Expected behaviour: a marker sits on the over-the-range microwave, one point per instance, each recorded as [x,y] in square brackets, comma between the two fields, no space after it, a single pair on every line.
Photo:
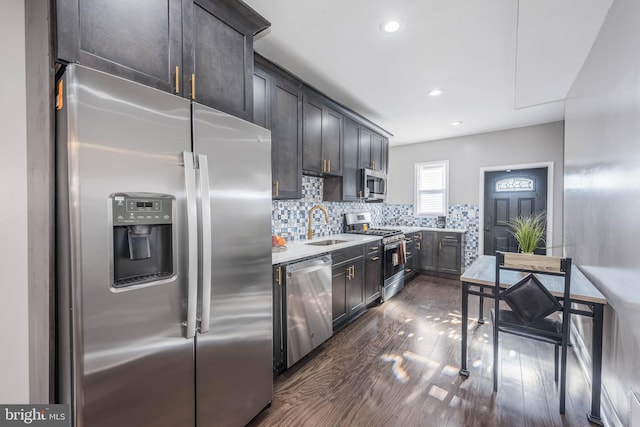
[374,185]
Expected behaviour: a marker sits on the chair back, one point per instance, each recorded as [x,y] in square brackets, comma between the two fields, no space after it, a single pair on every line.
[528,298]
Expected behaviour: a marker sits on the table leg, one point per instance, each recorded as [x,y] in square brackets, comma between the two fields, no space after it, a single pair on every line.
[596,368]
[465,326]
[481,307]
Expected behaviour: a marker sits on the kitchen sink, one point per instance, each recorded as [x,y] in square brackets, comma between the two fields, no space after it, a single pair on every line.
[326,242]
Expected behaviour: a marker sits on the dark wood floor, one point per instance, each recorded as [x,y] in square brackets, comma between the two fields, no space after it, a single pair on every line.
[397,365]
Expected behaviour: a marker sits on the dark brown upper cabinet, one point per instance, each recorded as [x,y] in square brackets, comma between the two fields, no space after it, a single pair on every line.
[218,54]
[137,40]
[362,148]
[371,150]
[351,176]
[377,149]
[385,155]
[366,138]
[201,49]
[322,136]
[346,187]
[278,107]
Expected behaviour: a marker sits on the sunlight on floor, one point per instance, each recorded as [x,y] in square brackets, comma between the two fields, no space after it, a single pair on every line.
[451,371]
[438,393]
[430,363]
[397,370]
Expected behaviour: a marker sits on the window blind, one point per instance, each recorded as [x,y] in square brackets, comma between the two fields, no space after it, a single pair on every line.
[431,188]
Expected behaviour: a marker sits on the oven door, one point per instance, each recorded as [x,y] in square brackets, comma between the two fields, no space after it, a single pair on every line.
[392,260]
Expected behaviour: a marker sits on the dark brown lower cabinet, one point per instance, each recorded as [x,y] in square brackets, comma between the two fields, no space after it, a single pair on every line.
[279,319]
[409,271]
[373,273]
[442,253]
[347,285]
[417,251]
[414,255]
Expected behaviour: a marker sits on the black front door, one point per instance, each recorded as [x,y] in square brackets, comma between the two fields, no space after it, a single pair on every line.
[508,194]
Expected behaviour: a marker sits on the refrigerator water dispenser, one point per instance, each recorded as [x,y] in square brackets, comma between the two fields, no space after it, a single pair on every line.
[142,238]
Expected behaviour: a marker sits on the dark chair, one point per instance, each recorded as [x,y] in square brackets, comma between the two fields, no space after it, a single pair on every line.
[531,304]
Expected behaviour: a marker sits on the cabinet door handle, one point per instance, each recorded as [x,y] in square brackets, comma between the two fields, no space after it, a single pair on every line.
[329,161]
[375,258]
[279,279]
[360,194]
[324,166]
[374,165]
[439,246]
[60,97]
[277,189]
[407,270]
[177,79]
[192,80]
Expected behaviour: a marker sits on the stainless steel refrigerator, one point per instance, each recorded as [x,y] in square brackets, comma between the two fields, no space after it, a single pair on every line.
[163,216]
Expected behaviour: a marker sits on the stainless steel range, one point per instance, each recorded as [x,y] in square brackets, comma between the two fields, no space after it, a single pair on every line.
[394,251]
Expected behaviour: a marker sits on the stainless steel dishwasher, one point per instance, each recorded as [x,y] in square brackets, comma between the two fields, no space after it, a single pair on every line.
[309,309]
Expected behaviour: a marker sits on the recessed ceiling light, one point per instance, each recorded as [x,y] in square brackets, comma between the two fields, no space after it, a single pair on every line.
[435,92]
[390,25]
[458,123]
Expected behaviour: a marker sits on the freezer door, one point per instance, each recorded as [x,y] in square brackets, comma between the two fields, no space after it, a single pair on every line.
[124,357]
[234,360]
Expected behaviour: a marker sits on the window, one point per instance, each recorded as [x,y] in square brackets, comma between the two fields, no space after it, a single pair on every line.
[431,188]
[515,184]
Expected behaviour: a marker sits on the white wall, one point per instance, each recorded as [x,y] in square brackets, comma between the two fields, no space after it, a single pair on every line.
[466,155]
[602,192]
[14,321]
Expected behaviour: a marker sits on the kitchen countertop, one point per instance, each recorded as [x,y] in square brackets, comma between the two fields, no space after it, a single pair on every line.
[301,249]
[407,229]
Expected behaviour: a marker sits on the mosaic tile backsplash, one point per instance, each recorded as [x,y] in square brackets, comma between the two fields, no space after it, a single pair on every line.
[289,217]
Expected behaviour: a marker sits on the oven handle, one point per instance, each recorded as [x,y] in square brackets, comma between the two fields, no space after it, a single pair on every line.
[393,245]
[389,246]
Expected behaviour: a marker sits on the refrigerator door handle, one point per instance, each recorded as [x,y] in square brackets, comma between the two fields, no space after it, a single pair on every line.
[192,244]
[205,202]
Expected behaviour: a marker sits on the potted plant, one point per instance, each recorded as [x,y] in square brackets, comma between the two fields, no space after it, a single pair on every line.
[529,231]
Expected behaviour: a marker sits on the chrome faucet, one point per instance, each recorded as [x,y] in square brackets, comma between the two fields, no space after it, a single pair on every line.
[326,218]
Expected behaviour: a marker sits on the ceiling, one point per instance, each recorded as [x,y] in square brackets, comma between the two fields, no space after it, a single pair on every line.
[501,63]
